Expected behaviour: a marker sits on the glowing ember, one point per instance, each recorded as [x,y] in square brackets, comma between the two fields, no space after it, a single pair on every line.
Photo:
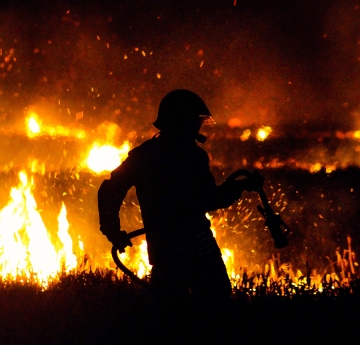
[104,158]
[245,135]
[263,133]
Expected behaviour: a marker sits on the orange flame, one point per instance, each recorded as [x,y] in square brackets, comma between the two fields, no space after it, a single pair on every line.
[35,127]
[136,258]
[25,245]
[105,158]
[263,133]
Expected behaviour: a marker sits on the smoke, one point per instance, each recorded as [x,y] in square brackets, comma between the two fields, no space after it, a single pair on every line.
[285,63]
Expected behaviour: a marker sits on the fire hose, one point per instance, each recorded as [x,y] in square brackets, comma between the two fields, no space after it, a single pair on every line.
[119,264]
[277,227]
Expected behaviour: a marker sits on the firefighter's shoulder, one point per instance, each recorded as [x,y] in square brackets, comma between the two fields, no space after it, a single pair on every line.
[143,149]
[201,154]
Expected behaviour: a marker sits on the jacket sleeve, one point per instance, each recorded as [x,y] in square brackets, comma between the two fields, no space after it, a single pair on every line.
[225,195]
[111,195]
[221,196]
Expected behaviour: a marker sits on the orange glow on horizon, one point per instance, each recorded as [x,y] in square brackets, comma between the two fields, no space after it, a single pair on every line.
[34,127]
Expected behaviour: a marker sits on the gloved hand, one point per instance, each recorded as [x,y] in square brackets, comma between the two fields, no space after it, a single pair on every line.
[253,183]
[119,240]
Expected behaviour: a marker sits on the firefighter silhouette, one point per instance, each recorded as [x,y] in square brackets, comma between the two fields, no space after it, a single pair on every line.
[175,190]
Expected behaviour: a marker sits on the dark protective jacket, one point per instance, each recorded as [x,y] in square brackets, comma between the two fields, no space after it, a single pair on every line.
[175,190]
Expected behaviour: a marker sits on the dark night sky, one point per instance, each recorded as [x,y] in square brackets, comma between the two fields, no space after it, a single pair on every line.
[278,62]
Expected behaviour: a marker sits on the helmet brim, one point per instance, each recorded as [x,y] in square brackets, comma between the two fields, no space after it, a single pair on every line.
[207,120]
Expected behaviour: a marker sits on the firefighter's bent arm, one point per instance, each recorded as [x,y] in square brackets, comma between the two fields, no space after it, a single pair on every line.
[218,197]
[224,196]
[231,190]
[111,195]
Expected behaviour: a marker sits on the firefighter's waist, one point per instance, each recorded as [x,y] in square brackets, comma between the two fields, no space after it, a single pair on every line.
[190,226]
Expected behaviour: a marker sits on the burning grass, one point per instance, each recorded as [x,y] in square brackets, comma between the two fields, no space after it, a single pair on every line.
[301,297]
[271,304]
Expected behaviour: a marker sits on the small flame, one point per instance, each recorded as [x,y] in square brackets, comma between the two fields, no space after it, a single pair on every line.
[330,168]
[144,267]
[263,133]
[315,167]
[104,158]
[136,258]
[66,253]
[33,125]
[245,135]
[81,244]
[228,258]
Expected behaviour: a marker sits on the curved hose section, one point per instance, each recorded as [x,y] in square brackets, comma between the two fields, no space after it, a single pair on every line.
[122,267]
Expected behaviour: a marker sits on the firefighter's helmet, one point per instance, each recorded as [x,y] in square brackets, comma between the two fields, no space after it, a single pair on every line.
[181,108]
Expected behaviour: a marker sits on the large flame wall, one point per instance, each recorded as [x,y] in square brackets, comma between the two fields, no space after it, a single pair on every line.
[48,205]
[281,79]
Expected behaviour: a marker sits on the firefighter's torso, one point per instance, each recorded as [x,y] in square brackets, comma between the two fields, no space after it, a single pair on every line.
[172,181]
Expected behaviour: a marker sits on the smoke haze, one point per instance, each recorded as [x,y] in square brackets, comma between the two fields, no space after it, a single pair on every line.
[284,63]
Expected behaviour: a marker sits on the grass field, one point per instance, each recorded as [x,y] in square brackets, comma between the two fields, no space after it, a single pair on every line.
[100,308]
[322,211]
